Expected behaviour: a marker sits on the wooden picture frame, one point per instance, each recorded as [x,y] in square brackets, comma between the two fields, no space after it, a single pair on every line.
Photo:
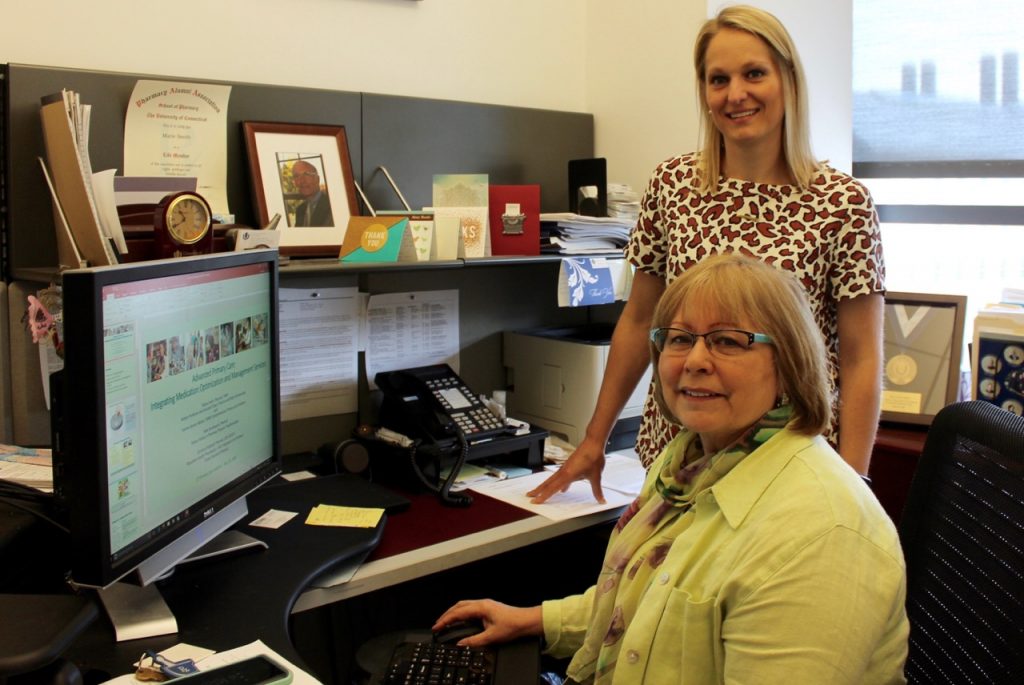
[304,173]
[923,348]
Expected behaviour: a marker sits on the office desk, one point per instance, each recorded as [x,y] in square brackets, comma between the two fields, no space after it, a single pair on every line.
[231,601]
[226,603]
[431,556]
[430,538]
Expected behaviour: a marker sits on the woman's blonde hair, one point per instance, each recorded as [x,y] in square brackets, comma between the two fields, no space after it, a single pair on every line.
[796,144]
[736,287]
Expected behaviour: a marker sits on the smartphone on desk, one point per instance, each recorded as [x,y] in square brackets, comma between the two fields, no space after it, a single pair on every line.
[256,670]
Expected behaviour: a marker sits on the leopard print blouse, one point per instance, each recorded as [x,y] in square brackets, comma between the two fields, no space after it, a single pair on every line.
[827,235]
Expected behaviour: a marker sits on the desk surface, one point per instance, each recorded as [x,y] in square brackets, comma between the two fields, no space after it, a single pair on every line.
[209,618]
[430,537]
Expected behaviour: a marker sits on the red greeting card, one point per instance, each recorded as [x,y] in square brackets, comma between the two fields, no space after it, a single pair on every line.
[514,219]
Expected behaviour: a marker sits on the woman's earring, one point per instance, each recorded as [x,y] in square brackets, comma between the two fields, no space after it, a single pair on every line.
[782,400]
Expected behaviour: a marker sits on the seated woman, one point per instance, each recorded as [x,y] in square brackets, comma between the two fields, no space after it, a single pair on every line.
[754,552]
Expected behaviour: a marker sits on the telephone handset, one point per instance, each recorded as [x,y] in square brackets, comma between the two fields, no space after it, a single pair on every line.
[435,409]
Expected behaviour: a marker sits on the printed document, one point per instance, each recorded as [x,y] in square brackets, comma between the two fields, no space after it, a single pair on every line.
[406,330]
[319,351]
[621,482]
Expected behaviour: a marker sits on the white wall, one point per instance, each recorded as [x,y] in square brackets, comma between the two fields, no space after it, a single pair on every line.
[640,83]
[512,52]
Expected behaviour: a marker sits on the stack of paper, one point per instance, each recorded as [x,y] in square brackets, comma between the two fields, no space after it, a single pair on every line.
[1013,295]
[623,203]
[566,233]
[32,467]
[82,235]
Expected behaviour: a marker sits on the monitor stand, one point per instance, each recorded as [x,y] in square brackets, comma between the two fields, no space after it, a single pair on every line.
[137,611]
[140,611]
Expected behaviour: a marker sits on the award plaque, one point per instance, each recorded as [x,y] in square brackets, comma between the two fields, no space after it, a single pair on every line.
[923,344]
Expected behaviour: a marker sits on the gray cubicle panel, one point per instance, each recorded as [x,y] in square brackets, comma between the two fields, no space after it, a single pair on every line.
[493,297]
[6,416]
[31,238]
[415,138]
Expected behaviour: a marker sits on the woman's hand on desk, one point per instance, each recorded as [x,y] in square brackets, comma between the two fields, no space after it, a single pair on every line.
[501,621]
[586,463]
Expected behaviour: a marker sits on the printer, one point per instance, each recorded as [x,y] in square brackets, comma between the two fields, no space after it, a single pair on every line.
[554,375]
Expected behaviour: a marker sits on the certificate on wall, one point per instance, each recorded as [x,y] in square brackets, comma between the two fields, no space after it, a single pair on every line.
[174,128]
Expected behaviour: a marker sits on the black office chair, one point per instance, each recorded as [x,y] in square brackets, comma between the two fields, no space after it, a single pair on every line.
[962,533]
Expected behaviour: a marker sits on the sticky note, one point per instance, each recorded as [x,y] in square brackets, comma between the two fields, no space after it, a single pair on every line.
[348,517]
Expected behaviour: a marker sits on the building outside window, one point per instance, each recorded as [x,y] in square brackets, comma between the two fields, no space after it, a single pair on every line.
[938,138]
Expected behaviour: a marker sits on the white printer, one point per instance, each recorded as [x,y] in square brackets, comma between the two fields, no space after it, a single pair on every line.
[554,377]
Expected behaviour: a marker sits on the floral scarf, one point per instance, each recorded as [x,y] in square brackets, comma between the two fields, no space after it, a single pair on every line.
[634,551]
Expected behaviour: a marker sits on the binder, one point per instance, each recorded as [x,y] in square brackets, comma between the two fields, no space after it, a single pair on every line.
[69,181]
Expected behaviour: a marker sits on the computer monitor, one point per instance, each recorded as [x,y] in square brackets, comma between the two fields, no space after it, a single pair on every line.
[167,412]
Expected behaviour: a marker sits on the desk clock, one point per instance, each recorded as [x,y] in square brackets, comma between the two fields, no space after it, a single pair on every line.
[183,225]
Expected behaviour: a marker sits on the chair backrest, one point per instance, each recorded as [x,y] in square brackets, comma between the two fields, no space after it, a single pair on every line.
[962,533]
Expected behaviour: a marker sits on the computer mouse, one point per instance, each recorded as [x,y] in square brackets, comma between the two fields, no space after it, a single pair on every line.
[458,630]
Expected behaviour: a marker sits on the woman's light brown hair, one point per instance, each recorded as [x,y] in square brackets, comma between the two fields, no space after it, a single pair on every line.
[737,287]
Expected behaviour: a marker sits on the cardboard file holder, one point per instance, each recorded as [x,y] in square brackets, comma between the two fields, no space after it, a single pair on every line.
[419,226]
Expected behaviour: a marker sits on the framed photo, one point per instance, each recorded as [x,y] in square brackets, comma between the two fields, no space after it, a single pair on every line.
[304,173]
[923,345]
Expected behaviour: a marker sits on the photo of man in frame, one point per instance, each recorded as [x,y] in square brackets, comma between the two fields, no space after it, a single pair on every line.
[305,195]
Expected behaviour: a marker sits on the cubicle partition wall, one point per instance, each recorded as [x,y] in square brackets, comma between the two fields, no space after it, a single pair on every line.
[416,138]
[31,239]
[413,137]
[6,416]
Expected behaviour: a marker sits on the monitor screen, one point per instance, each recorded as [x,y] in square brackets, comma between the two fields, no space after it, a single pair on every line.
[167,412]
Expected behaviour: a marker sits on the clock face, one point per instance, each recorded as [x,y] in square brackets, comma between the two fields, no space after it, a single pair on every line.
[188,219]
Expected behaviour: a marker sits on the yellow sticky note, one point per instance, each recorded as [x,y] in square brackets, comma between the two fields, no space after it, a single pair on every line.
[349,517]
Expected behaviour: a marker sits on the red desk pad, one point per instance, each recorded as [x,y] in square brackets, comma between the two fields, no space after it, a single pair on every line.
[427,522]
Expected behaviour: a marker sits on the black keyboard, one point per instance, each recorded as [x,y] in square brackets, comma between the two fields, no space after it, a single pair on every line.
[431,663]
[436,663]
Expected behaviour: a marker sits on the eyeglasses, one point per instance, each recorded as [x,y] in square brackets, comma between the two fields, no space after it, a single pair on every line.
[307,174]
[726,342]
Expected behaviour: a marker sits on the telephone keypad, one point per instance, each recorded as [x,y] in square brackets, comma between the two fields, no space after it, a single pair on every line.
[454,396]
[478,419]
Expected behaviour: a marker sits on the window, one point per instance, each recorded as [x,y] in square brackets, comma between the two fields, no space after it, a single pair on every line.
[938,138]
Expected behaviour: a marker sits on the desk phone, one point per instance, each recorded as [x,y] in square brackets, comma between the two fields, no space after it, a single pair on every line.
[433,402]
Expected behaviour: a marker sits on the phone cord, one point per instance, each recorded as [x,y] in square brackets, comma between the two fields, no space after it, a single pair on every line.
[456,499]
[443,490]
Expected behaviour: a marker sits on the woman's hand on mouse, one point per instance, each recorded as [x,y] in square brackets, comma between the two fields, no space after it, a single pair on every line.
[502,622]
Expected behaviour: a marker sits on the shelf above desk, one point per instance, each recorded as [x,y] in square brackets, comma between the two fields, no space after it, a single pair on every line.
[330,265]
